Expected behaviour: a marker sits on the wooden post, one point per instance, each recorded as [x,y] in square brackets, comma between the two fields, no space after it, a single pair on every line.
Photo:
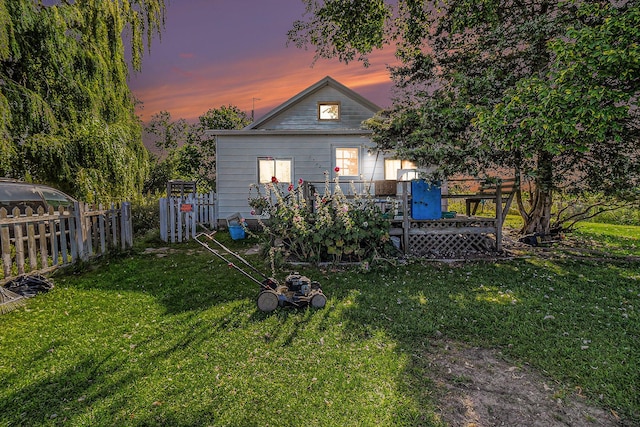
[113,214]
[172,219]
[63,234]
[42,238]
[129,223]
[499,217]
[164,220]
[126,233]
[6,247]
[80,231]
[31,241]
[213,217]
[19,243]
[53,235]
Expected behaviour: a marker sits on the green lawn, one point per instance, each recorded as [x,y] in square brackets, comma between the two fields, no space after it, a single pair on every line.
[176,339]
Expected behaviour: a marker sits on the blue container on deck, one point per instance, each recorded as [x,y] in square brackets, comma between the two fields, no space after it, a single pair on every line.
[426,200]
[237,232]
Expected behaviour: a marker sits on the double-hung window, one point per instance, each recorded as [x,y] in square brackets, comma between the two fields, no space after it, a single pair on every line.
[270,167]
[347,161]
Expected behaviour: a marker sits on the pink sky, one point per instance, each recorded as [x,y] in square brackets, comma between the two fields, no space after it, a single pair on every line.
[221,52]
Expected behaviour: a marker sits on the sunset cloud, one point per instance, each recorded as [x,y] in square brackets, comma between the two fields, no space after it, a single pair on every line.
[241,59]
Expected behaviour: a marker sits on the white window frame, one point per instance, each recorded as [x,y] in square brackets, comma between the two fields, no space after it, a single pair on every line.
[278,174]
[340,164]
[321,115]
[403,165]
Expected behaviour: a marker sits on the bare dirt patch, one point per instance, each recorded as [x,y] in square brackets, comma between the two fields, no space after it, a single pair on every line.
[480,389]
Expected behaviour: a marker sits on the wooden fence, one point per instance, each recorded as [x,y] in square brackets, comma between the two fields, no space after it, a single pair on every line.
[179,216]
[40,241]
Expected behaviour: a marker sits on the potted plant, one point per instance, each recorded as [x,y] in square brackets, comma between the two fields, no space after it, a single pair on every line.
[257,200]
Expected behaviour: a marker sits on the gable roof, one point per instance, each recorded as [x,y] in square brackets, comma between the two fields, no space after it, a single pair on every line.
[325,82]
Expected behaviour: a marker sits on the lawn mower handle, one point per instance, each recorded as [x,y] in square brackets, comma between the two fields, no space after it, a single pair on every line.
[230,263]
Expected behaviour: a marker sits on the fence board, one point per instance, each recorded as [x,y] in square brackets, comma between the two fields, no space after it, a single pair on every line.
[63,239]
[31,241]
[42,238]
[164,218]
[102,227]
[178,224]
[38,242]
[6,246]
[19,243]
[53,231]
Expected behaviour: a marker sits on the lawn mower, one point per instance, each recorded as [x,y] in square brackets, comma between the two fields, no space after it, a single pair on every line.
[298,290]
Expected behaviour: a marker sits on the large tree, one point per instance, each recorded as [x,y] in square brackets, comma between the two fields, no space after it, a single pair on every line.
[187,152]
[547,89]
[66,112]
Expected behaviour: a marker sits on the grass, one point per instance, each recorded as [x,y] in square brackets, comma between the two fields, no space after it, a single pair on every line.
[176,339]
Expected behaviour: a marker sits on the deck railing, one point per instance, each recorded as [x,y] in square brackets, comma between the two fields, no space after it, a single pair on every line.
[458,235]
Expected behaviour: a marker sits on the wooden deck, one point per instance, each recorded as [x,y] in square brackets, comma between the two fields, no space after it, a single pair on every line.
[446,237]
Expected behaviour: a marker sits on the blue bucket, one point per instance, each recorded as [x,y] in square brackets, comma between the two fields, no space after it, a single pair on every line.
[237,232]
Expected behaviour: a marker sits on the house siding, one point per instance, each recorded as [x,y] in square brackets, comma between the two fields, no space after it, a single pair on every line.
[293,131]
[303,115]
[312,155]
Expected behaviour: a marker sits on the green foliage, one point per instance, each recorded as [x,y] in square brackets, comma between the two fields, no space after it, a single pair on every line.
[173,337]
[189,153]
[580,110]
[224,117]
[354,28]
[66,112]
[326,227]
[145,214]
[543,90]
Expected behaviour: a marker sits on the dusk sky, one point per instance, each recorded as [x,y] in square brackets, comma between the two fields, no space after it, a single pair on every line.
[221,52]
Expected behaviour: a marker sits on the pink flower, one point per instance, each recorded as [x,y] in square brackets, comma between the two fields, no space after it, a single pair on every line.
[290,187]
[253,212]
[300,181]
[274,179]
[337,169]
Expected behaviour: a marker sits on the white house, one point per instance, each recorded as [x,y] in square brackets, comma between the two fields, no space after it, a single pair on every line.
[314,132]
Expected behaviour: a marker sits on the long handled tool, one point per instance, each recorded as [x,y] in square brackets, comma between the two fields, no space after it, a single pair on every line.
[298,290]
[10,300]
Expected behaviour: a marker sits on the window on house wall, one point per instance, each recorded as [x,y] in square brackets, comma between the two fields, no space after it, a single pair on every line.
[392,166]
[328,111]
[269,167]
[347,161]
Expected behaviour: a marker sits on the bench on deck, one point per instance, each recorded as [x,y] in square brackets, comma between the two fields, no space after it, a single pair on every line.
[492,190]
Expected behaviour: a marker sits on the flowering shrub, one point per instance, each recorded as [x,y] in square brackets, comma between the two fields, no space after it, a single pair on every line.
[325,227]
[258,201]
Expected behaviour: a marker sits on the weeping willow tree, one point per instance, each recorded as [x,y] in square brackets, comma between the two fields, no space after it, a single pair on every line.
[66,113]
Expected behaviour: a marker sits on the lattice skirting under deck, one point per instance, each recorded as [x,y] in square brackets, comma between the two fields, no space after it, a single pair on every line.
[450,244]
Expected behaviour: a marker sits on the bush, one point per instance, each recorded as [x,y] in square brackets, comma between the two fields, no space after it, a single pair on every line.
[325,227]
[145,214]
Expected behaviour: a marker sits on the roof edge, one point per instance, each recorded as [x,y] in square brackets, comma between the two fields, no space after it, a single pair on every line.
[327,81]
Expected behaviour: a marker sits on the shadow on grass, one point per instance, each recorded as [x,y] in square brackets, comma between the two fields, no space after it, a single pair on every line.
[342,352]
[572,320]
[181,278]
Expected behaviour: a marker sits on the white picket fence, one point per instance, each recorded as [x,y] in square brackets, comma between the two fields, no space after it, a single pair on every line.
[40,241]
[180,216]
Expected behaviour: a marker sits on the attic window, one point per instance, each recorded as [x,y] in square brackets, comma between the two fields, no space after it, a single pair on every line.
[328,111]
